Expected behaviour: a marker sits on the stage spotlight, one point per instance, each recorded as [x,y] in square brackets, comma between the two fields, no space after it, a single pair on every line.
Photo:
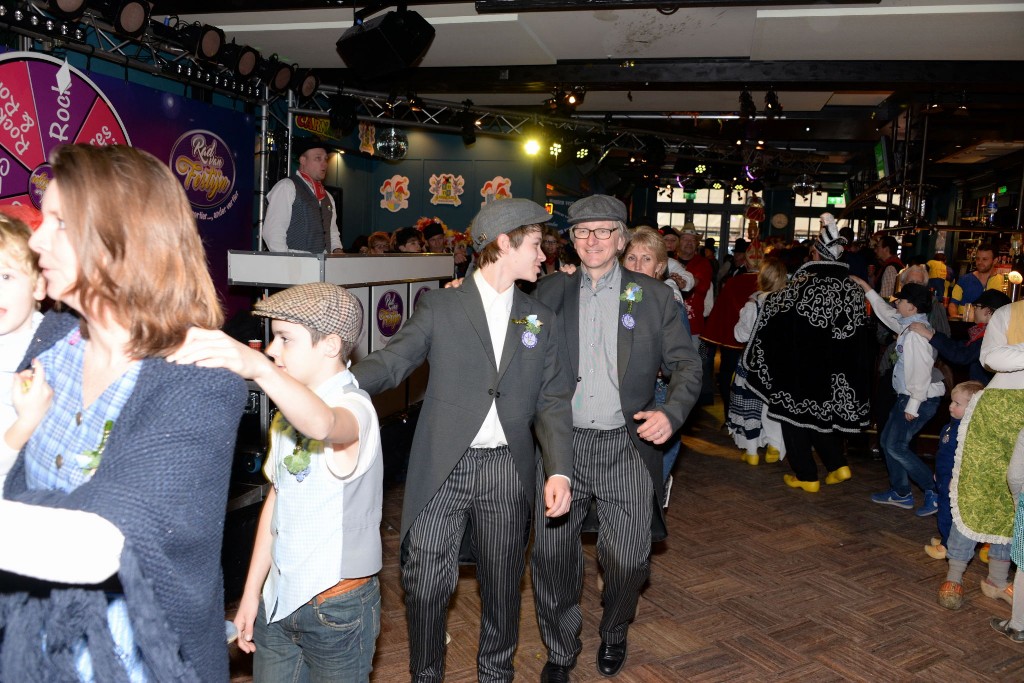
[304,83]
[202,40]
[276,74]
[772,108]
[414,102]
[531,146]
[748,109]
[128,17]
[700,168]
[241,59]
[467,121]
[69,10]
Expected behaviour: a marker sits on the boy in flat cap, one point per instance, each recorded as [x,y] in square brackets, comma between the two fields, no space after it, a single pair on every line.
[301,215]
[621,328]
[318,544]
[495,373]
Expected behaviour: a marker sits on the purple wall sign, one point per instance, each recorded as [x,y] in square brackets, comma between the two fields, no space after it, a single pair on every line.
[389,313]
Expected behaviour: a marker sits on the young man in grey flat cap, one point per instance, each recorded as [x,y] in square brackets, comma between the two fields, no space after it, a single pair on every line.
[620,329]
[495,372]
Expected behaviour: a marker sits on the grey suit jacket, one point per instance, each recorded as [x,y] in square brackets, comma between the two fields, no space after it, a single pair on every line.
[657,341]
[532,388]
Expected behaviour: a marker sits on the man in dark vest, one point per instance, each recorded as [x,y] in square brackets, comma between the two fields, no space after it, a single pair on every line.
[301,215]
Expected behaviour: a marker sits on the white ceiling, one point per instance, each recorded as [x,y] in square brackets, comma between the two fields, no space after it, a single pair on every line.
[890,30]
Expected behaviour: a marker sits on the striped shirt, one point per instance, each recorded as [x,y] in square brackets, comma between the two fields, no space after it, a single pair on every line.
[596,403]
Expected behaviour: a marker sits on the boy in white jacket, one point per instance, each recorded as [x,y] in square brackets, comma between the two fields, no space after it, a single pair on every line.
[919,389]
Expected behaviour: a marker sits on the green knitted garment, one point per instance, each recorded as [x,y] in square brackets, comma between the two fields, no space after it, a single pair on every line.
[982,505]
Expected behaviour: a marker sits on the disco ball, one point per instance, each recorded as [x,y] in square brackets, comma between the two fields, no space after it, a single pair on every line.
[804,185]
[392,144]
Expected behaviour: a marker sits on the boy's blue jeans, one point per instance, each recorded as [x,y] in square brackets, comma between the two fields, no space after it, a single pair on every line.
[903,464]
[326,643]
[959,547]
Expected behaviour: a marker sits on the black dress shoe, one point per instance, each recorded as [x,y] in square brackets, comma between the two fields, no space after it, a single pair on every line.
[610,658]
[555,673]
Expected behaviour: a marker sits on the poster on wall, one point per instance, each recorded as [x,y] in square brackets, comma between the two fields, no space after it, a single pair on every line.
[395,193]
[367,138]
[446,188]
[387,313]
[48,102]
[362,347]
[417,290]
[44,103]
[496,188]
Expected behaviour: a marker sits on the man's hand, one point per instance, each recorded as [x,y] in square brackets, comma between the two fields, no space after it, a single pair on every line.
[923,330]
[454,284]
[656,427]
[214,349]
[557,496]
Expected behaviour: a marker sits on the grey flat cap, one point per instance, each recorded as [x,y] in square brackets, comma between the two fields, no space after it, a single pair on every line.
[502,216]
[597,207]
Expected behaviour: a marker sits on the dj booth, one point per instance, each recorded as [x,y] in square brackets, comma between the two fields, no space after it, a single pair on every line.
[387,287]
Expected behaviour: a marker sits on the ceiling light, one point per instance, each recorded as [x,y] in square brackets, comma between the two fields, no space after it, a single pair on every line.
[305,83]
[468,122]
[748,109]
[241,59]
[276,74]
[128,17]
[804,185]
[202,40]
[70,10]
[772,107]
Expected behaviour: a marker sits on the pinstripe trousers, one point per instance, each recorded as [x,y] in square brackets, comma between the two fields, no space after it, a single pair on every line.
[484,489]
[608,469]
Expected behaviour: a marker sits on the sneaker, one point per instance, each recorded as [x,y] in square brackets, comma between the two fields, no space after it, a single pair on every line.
[1003,626]
[951,595]
[992,591]
[890,497]
[668,491]
[936,551]
[930,505]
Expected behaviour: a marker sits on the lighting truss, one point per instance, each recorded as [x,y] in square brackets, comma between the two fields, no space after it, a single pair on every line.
[91,36]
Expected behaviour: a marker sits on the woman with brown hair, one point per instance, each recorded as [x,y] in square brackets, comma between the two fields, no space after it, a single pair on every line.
[115,507]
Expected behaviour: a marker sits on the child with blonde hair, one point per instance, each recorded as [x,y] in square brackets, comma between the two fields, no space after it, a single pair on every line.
[22,403]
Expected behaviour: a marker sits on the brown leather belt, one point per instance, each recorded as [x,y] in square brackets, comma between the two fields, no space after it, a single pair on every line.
[343,586]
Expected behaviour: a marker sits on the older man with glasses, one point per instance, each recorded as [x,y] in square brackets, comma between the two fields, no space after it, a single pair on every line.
[620,329]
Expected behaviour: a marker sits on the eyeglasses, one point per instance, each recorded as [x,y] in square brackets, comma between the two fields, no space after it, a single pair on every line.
[599,233]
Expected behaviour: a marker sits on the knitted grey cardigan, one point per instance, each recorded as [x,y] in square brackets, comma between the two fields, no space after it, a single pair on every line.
[163,482]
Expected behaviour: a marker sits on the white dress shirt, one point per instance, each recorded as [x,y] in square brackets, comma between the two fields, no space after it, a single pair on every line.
[279,216]
[498,309]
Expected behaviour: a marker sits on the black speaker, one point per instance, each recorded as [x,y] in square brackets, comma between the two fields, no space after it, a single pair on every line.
[385,44]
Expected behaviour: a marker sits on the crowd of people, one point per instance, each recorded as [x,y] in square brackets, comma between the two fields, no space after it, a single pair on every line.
[545,416]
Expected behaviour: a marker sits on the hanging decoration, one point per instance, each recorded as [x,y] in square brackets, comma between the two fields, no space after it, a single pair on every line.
[395,193]
[446,188]
[367,137]
[495,189]
[392,144]
[755,209]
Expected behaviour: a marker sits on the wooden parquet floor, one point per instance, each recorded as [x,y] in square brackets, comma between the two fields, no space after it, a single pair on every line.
[757,582]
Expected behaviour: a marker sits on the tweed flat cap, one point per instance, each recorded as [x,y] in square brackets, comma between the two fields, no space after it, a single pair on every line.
[503,216]
[597,207]
[321,306]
